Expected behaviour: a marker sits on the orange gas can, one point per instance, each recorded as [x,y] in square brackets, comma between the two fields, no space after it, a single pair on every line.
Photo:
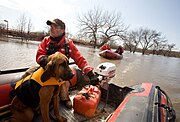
[86,101]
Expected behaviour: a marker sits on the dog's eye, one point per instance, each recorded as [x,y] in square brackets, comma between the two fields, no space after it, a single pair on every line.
[63,64]
[67,63]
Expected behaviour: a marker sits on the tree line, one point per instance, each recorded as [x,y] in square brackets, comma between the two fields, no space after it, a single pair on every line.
[102,27]
[23,30]
[98,27]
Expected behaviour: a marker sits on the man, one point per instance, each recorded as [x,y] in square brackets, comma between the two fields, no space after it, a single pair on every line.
[119,50]
[57,41]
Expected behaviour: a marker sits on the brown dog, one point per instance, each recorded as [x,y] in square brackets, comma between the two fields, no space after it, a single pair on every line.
[37,90]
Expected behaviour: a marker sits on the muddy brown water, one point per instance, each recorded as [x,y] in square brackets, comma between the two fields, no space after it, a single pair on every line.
[131,70]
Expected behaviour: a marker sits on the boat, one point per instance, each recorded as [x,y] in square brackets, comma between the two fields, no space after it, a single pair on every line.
[108,54]
[144,102]
[105,47]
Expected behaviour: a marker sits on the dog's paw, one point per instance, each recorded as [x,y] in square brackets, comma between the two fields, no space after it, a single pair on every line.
[61,119]
[67,104]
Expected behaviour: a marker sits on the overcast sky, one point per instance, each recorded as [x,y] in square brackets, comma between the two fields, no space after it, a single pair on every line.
[160,15]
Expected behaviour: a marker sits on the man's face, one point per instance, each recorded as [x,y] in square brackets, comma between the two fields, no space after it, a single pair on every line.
[55,30]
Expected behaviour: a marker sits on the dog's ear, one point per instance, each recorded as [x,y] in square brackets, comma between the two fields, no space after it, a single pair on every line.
[48,72]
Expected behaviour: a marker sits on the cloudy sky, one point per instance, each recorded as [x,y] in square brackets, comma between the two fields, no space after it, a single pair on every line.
[160,15]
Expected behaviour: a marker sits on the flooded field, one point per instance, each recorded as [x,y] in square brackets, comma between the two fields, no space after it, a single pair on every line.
[131,70]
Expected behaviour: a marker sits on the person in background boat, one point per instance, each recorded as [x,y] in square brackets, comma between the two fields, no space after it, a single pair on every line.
[119,50]
[105,47]
[57,41]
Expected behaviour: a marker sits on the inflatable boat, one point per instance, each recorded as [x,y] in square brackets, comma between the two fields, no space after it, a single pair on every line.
[144,102]
[108,54]
[105,47]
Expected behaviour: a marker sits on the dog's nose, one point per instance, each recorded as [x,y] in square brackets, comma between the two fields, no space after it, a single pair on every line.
[71,75]
[68,75]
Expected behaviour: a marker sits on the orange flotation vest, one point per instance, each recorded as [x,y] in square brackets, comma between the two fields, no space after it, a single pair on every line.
[28,88]
[36,76]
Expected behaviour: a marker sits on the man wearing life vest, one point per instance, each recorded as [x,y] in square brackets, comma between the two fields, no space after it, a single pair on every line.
[119,50]
[57,41]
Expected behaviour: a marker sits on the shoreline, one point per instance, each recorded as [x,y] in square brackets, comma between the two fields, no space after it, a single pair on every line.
[16,40]
[174,54]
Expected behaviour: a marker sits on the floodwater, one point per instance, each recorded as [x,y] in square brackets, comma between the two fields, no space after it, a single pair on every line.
[131,70]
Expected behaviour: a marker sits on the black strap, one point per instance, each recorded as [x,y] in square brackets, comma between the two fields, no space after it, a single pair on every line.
[66,47]
[12,71]
[53,47]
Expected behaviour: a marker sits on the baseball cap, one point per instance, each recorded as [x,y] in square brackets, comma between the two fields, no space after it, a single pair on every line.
[57,22]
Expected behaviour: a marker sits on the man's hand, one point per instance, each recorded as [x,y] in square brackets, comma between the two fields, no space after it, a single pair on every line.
[93,78]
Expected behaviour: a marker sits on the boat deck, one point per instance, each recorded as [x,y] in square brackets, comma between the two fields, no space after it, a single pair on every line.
[71,116]
[101,113]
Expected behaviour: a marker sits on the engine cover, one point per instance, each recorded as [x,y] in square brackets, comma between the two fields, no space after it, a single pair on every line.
[106,69]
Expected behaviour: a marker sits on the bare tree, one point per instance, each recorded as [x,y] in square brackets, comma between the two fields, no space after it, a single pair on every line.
[162,47]
[22,26]
[113,27]
[101,25]
[136,37]
[131,39]
[29,27]
[169,49]
[2,29]
[158,45]
[128,44]
[89,24]
[148,37]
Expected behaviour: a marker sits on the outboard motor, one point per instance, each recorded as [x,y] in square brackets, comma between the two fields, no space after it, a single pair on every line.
[106,72]
[110,93]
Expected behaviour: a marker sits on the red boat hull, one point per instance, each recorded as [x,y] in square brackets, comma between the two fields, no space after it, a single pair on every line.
[148,103]
[5,89]
[110,55]
[105,47]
